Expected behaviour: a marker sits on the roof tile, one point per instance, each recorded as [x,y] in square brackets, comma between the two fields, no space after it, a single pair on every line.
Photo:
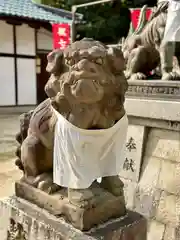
[27,9]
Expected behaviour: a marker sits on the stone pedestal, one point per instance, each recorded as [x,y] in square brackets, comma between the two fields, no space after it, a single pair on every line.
[20,219]
[105,205]
[154,106]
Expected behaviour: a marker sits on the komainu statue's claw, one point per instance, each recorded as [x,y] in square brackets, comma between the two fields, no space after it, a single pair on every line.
[137,76]
[81,197]
[171,76]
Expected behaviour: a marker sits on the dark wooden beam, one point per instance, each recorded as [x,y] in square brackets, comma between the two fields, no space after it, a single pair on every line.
[36,24]
[17,55]
[13,22]
[15,65]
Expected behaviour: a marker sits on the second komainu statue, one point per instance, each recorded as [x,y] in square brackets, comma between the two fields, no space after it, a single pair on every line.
[147,54]
[76,136]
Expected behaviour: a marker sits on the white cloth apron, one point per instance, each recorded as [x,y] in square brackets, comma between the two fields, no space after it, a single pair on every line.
[173,21]
[82,156]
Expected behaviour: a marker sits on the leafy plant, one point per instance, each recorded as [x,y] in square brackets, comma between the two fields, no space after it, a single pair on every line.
[107,22]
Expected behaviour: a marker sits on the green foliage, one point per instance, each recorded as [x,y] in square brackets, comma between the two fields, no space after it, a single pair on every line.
[107,22]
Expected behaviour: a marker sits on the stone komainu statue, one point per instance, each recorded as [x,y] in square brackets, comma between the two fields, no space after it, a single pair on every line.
[144,50]
[87,87]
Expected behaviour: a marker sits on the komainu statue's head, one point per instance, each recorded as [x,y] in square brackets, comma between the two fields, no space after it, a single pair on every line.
[91,70]
[91,75]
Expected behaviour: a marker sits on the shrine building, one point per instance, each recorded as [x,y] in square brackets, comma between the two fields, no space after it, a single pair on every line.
[25,41]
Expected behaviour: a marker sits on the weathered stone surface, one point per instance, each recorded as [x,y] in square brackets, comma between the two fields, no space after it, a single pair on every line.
[36,223]
[164,144]
[155,123]
[106,206]
[129,192]
[153,109]
[155,231]
[146,203]
[159,176]
[144,195]
[168,211]
[156,195]
[169,177]
[149,173]
[171,233]
[154,89]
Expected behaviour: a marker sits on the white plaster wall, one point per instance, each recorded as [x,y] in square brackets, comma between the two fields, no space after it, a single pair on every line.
[25,38]
[6,38]
[26,69]
[44,39]
[7,80]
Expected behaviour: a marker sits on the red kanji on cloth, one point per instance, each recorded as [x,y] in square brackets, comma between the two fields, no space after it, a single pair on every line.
[135,16]
[61,35]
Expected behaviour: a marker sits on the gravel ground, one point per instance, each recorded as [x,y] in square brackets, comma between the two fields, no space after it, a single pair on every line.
[9,126]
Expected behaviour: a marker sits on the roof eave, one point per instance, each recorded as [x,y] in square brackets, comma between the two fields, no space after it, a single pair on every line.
[33,19]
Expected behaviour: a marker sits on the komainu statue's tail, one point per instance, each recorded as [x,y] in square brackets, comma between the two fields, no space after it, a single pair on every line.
[21,135]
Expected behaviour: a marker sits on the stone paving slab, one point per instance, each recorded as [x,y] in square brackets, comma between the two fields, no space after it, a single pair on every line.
[8,175]
[9,125]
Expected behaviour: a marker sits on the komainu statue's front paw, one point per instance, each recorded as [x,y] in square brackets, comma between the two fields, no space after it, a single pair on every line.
[82,198]
[137,76]
[45,183]
[113,185]
[48,186]
[170,76]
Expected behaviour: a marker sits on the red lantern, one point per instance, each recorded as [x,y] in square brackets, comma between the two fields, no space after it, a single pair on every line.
[61,35]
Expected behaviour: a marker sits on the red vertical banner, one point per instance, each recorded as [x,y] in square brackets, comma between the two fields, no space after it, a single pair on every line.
[61,35]
[148,13]
[135,16]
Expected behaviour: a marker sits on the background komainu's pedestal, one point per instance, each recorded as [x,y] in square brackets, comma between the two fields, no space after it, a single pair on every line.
[20,219]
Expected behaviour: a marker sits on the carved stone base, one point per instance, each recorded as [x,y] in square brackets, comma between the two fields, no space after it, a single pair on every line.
[19,219]
[106,205]
[154,89]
